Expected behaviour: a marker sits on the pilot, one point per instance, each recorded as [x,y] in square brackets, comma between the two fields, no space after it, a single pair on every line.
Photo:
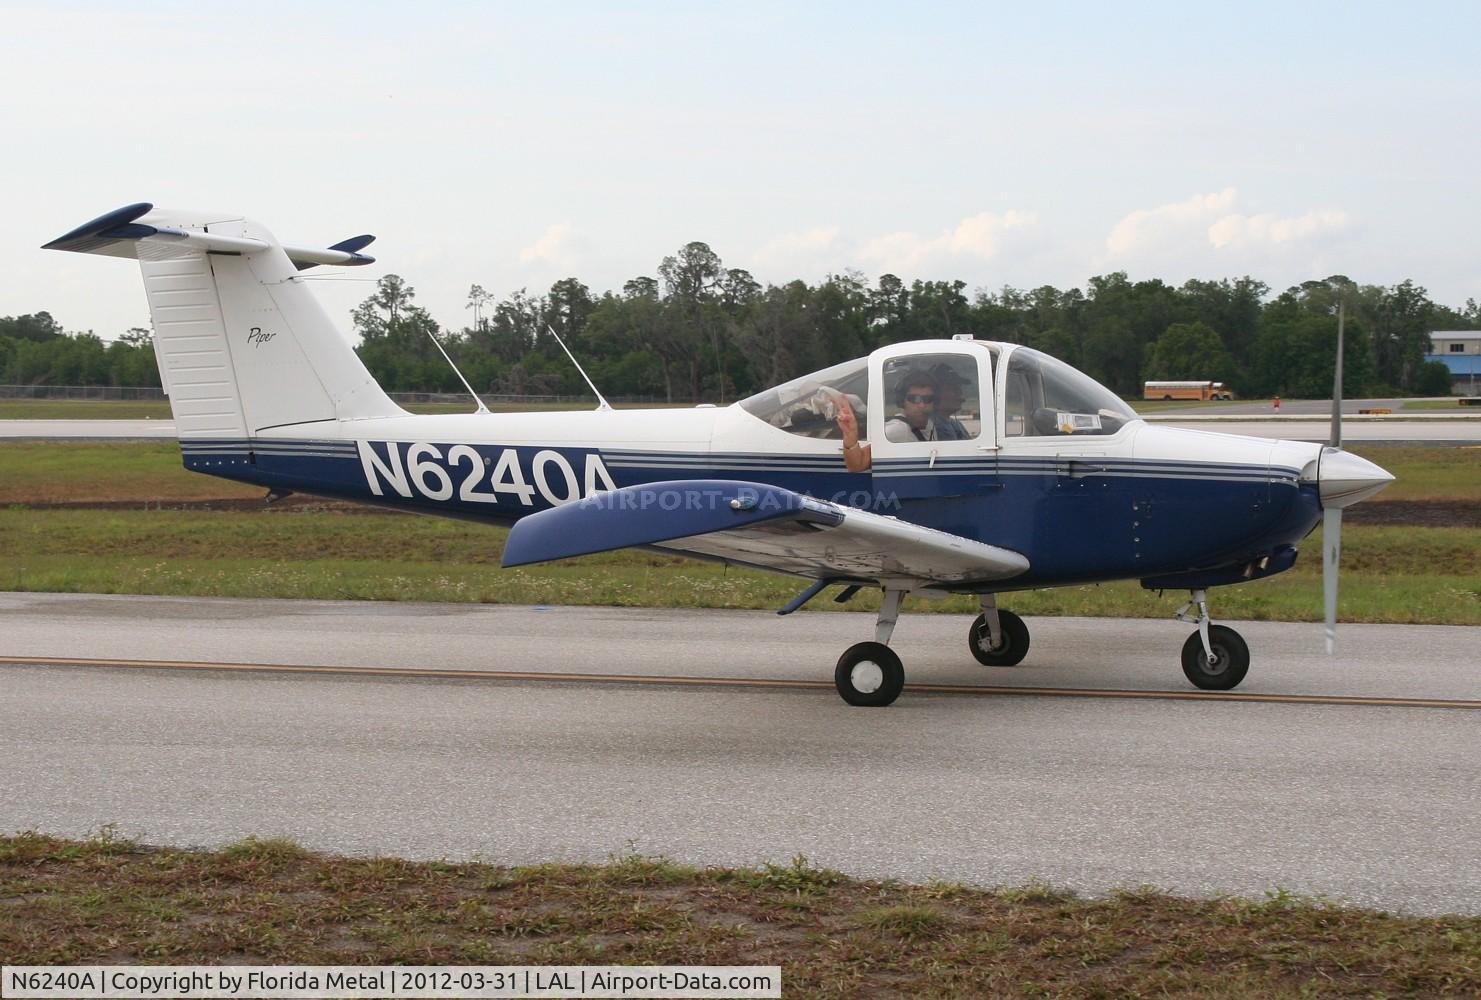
[915,394]
[950,394]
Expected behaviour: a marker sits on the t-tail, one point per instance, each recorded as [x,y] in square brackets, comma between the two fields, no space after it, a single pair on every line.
[243,346]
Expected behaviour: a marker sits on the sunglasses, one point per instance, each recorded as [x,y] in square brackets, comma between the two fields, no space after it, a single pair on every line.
[916,398]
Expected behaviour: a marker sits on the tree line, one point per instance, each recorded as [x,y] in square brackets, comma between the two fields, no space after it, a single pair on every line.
[701,331]
[35,350]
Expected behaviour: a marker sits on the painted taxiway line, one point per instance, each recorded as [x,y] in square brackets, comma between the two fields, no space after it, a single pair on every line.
[742,682]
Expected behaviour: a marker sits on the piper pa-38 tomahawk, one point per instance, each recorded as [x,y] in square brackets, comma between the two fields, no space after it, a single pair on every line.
[988,467]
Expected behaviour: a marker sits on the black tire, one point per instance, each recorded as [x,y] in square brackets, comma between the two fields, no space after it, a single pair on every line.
[1014,646]
[1232,659]
[865,687]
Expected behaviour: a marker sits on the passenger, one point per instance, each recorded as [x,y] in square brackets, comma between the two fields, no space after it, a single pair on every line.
[950,395]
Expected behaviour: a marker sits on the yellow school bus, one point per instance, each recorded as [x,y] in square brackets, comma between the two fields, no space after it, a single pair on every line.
[1186,390]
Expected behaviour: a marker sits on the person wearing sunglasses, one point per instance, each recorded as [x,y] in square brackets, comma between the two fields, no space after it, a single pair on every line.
[915,395]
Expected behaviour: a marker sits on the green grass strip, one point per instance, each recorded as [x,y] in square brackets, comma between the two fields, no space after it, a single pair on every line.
[1416,575]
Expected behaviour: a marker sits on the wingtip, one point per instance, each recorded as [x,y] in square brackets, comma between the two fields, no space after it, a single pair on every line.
[103,223]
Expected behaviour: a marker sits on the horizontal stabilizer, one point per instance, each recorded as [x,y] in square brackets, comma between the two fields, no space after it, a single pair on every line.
[351,246]
[121,233]
[763,527]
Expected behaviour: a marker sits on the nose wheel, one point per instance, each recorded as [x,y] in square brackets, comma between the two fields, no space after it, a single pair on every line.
[997,638]
[1215,658]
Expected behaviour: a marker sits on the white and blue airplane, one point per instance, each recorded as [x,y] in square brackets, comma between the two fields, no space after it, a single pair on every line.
[989,467]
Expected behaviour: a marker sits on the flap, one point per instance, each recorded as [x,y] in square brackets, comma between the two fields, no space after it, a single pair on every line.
[763,527]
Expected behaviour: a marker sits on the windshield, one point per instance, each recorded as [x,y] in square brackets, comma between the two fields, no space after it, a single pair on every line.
[809,405]
[1046,397]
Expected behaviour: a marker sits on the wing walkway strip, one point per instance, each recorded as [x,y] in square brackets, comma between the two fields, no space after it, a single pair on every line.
[765,683]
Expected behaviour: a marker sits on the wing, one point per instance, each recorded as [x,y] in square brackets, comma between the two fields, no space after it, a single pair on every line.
[762,527]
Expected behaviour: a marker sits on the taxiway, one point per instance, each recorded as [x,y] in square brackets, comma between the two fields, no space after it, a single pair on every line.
[1376,804]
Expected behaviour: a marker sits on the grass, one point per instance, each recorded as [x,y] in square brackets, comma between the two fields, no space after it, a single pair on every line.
[34,472]
[1391,574]
[1437,474]
[84,409]
[107,901]
[1439,404]
[64,471]
[1176,405]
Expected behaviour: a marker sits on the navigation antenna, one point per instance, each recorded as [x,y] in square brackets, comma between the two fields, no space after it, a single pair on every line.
[602,403]
[443,352]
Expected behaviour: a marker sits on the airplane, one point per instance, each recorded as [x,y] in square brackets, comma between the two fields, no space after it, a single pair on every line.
[979,467]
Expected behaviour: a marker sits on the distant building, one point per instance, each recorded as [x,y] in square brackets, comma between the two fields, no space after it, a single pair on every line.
[1460,351]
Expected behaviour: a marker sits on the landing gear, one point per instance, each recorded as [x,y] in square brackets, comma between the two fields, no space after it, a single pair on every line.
[997,638]
[1225,668]
[869,674]
[1215,658]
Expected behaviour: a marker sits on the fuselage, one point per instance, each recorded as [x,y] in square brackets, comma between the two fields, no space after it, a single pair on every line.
[1145,502]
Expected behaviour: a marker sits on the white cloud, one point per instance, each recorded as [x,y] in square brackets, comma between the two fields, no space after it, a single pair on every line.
[1211,220]
[1241,230]
[1215,234]
[956,252]
[555,246]
[1147,227]
[981,236]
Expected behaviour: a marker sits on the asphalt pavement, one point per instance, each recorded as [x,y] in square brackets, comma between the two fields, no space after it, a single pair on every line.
[1373,804]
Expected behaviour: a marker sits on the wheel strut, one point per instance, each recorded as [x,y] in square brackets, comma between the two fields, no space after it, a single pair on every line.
[991,617]
[889,613]
[1215,657]
[1200,598]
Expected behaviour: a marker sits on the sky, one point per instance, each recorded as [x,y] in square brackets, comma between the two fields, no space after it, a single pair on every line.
[512,145]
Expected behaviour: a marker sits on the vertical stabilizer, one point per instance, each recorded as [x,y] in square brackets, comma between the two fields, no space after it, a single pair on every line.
[242,344]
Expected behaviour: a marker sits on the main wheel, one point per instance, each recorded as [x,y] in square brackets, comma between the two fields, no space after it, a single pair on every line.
[1231,659]
[869,675]
[1011,648]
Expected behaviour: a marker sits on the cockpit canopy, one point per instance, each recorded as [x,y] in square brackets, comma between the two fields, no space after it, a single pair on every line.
[1040,396]
[809,405]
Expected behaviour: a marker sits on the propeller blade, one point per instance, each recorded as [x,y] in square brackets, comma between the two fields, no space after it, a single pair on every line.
[1336,441]
[1332,516]
[1331,557]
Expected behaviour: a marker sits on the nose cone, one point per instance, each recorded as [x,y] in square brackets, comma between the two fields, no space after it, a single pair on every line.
[1343,478]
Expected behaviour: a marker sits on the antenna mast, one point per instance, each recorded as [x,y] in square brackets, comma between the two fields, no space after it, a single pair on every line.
[443,352]
[602,403]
